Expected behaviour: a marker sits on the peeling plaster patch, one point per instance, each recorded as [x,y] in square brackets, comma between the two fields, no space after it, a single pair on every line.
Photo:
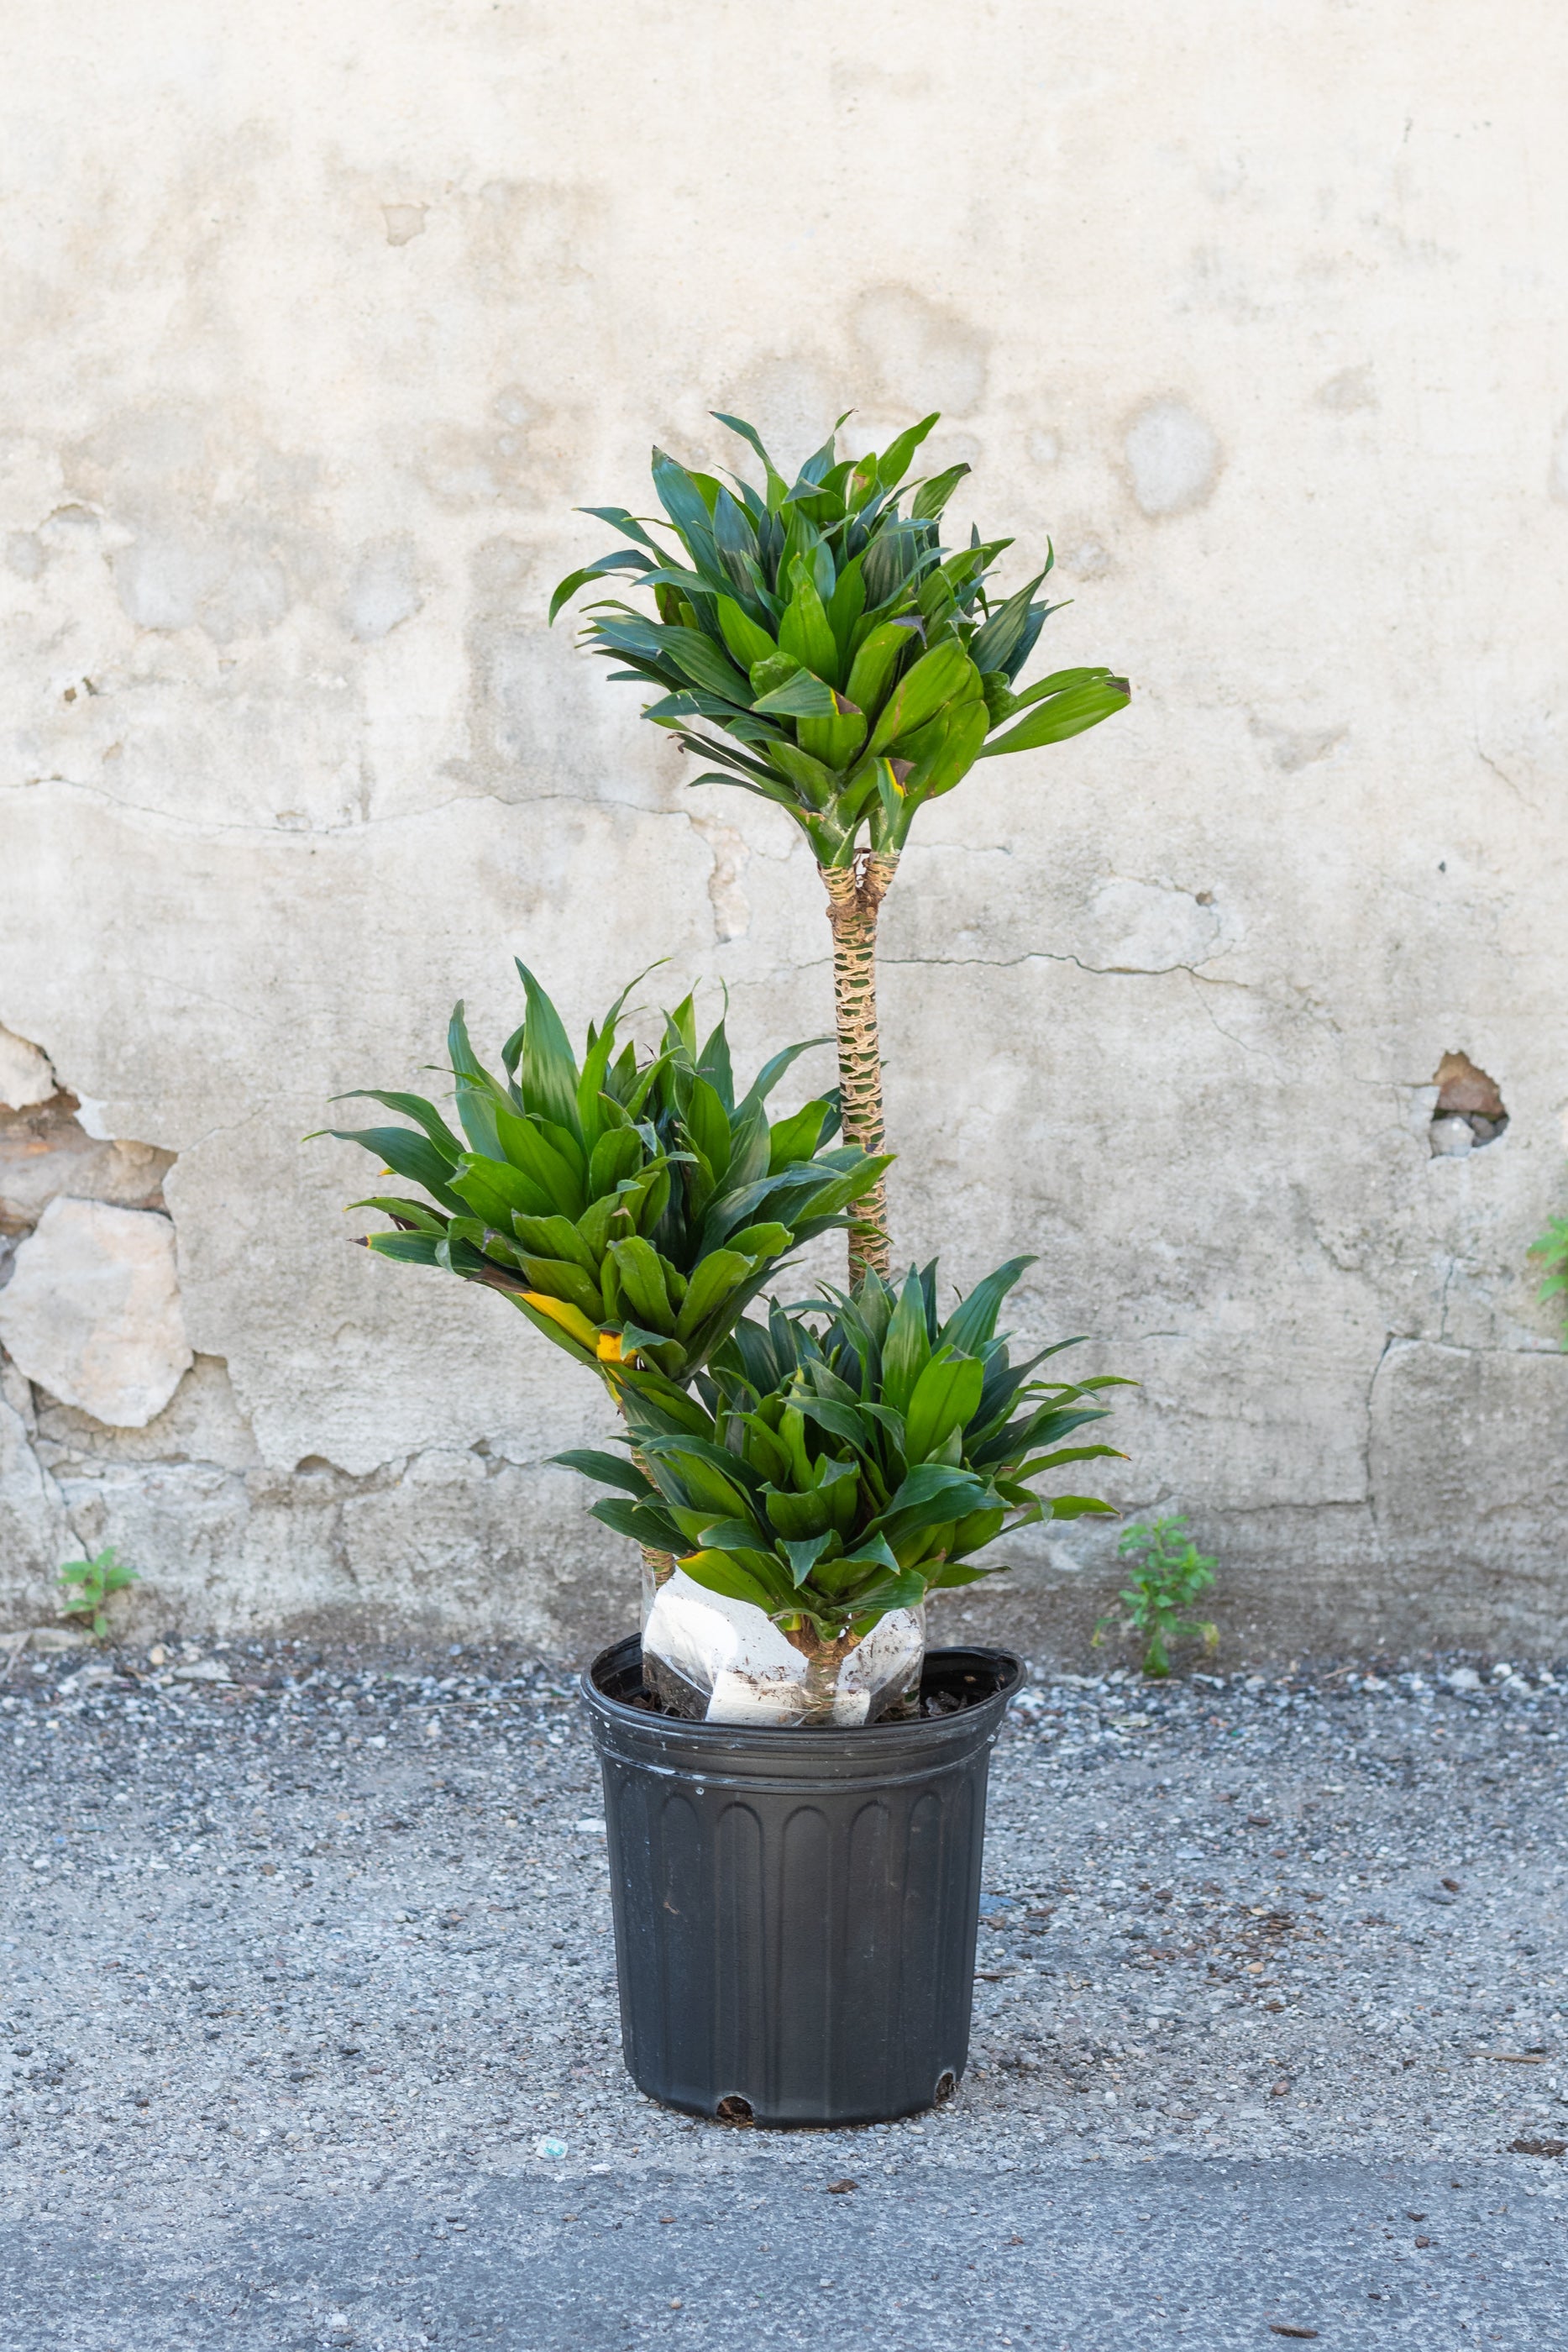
[1172,458]
[731,908]
[1468,1112]
[921,352]
[1352,388]
[1148,927]
[46,1154]
[26,1078]
[383,590]
[404,221]
[1294,748]
[92,1310]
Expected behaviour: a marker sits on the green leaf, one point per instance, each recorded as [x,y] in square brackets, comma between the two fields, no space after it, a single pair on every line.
[406,1249]
[618,1154]
[624,559]
[642,1277]
[745,640]
[558,1279]
[412,1106]
[870,672]
[684,502]
[610,1469]
[906,1351]
[708,1124]
[555,1237]
[770,1240]
[698,658]
[413,1214]
[949,759]
[797,1138]
[548,1066]
[845,607]
[933,495]
[407,1154]
[935,678]
[717,1571]
[1066,714]
[644,1522]
[805,630]
[893,463]
[711,1284]
[993,647]
[945,1399]
[798,1516]
[814,782]
[777,489]
[554,1186]
[801,696]
[974,1321]
[803,1555]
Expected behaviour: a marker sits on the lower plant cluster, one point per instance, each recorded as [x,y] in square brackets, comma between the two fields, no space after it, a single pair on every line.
[847,1458]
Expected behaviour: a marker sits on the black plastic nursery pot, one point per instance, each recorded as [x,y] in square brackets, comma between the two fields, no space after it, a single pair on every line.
[796,1909]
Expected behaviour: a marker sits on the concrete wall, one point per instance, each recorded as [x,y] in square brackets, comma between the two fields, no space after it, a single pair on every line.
[319,321]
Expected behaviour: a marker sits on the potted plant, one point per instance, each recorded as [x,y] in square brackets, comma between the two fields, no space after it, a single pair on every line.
[795,1790]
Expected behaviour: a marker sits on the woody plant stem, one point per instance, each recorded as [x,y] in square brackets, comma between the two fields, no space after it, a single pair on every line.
[855,894]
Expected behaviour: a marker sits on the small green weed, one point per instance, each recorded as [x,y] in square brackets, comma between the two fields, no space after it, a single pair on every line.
[1551,1249]
[1168,1574]
[91,1583]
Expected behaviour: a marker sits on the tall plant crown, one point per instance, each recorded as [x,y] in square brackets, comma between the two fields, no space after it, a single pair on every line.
[853,668]
[630,1207]
[858,667]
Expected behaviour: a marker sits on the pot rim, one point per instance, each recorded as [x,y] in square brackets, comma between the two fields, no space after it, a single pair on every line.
[835,1742]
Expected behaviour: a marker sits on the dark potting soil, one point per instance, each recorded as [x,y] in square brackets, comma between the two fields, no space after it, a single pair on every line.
[941,1699]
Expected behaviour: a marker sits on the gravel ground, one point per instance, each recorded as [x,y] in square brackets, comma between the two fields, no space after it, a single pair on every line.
[306,2002]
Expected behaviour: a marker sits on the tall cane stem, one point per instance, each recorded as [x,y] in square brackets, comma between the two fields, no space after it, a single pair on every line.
[855,894]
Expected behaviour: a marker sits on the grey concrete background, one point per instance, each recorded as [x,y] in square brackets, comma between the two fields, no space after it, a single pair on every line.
[322,320]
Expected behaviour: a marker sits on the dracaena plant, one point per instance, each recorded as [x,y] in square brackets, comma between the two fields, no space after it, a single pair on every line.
[821,647]
[630,1206]
[830,1471]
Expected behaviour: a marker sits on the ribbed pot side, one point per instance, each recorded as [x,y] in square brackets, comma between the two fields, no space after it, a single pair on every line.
[796,1909]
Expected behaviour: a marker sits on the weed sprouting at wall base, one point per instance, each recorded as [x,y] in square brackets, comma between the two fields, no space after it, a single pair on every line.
[93,1582]
[1168,1575]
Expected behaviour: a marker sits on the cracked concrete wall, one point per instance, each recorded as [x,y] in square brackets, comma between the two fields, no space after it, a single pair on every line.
[319,327]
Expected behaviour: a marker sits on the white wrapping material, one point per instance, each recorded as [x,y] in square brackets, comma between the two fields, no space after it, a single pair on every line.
[734,1653]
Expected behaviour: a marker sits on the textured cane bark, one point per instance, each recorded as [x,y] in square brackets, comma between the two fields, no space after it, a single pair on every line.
[854,895]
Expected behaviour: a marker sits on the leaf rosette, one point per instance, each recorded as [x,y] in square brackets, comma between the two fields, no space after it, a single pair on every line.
[630,1205]
[835,1467]
[818,643]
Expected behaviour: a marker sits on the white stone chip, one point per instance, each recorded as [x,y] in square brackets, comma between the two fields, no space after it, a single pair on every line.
[27,1076]
[92,1311]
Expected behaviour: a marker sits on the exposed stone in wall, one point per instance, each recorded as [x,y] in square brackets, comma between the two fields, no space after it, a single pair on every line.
[92,1310]
[1469,1111]
[25,1078]
[45,1151]
[34,1533]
